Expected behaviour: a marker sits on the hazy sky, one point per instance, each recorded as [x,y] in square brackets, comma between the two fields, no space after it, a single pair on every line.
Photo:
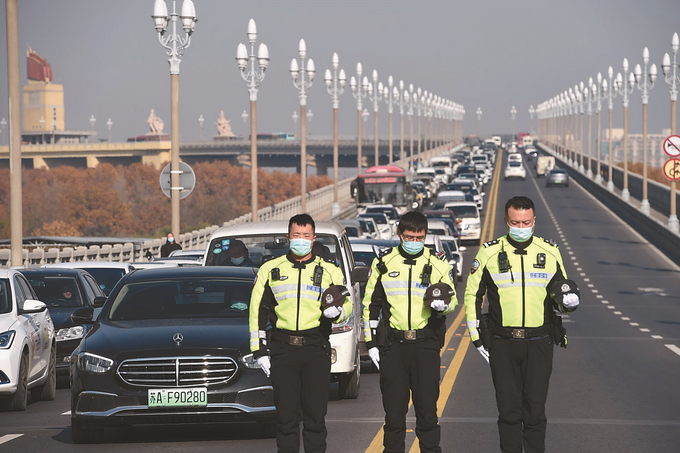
[485,53]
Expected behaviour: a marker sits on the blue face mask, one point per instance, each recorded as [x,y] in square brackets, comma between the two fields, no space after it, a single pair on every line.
[412,247]
[520,234]
[171,240]
[301,247]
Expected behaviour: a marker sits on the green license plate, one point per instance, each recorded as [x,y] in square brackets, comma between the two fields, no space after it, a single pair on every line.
[178,397]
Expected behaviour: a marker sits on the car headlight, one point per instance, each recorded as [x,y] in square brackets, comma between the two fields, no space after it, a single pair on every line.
[474,226]
[70,333]
[6,339]
[249,361]
[93,363]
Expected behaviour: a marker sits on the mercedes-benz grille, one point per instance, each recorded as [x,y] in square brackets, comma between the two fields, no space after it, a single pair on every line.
[177,371]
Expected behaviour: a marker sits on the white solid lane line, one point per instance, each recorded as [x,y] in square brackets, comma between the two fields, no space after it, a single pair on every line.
[673,348]
[67,413]
[8,437]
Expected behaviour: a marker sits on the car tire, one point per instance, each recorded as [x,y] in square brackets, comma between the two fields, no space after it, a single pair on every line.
[48,390]
[82,434]
[19,400]
[348,384]
[267,429]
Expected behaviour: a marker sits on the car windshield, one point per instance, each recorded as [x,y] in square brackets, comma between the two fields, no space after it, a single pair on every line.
[514,164]
[58,291]
[558,171]
[106,277]
[389,212]
[464,211]
[5,297]
[260,249]
[363,258]
[183,298]
[379,218]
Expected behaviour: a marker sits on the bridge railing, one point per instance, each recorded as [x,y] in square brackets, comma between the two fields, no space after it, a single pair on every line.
[319,202]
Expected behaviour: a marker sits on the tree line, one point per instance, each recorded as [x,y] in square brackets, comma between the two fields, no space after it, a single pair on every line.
[126,201]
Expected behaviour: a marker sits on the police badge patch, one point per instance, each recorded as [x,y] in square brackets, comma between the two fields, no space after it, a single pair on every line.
[475,266]
[394,274]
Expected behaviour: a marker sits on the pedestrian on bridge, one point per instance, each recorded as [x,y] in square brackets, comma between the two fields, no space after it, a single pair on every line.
[169,246]
[408,295]
[523,279]
[295,300]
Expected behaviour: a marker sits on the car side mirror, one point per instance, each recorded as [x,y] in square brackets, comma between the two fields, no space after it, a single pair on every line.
[98,301]
[32,306]
[360,274]
[83,315]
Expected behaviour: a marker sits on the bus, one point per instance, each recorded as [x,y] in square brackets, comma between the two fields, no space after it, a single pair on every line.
[384,184]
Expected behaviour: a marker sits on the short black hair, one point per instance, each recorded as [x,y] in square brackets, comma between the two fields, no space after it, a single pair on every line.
[413,221]
[301,220]
[519,203]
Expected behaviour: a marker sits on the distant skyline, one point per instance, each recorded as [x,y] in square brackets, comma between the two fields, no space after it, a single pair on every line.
[491,54]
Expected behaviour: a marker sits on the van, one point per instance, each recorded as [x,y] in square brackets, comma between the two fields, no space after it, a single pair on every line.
[267,240]
[544,164]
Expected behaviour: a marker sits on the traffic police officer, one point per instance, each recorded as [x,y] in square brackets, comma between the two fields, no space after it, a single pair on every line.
[287,300]
[522,277]
[404,345]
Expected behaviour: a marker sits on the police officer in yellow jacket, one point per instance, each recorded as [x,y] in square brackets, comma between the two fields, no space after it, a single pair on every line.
[408,294]
[290,321]
[523,279]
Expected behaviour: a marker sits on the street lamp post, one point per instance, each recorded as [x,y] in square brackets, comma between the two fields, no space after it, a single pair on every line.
[252,77]
[244,117]
[358,92]
[109,124]
[93,121]
[581,101]
[375,91]
[408,97]
[174,45]
[589,99]
[303,76]
[479,121]
[388,94]
[625,86]
[609,93]
[513,115]
[3,125]
[645,82]
[418,100]
[335,85]
[598,92]
[200,126]
[532,110]
[673,80]
[400,95]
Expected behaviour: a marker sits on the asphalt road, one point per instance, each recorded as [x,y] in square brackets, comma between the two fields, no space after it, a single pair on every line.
[614,389]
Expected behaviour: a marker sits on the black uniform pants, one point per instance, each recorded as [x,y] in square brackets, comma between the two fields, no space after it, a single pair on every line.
[521,372]
[300,376]
[410,368]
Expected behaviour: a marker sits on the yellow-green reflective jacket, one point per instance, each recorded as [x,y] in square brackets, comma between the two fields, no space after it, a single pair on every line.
[292,301]
[519,296]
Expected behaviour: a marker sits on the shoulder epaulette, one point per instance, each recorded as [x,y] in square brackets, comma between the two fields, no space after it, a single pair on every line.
[490,243]
[551,242]
[384,251]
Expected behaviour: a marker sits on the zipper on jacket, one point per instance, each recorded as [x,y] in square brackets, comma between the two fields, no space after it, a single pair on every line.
[410,270]
[521,258]
[297,318]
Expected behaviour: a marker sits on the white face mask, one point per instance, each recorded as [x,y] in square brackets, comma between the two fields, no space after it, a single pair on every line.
[238,261]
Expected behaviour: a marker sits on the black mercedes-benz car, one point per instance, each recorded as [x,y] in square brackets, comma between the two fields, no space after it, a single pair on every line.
[64,291]
[170,346]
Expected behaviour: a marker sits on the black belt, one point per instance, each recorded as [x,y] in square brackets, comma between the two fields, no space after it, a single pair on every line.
[296,340]
[521,333]
[409,335]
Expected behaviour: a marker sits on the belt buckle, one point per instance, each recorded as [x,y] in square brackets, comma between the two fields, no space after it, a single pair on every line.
[519,333]
[410,335]
[296,341]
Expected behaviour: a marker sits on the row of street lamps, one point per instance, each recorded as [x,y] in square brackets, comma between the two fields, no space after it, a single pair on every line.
[253,66]
[557,114]
[93,121]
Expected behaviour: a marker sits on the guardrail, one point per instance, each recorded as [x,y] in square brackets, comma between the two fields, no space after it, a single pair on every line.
[652,229]
[319,201]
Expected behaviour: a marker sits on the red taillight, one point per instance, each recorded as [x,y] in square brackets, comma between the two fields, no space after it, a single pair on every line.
[340,329]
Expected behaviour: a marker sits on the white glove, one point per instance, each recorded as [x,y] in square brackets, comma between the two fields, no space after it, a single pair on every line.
[332,312]
[485,353]
[570,301]
[438,305]
[265,364]
[374,354]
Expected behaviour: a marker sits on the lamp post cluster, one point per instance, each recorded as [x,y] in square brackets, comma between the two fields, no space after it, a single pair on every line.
[555,121]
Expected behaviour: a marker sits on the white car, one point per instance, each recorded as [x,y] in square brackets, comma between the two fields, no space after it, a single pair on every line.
[515,169]
[266,240]
[471,223]
[28,349]
[452,244]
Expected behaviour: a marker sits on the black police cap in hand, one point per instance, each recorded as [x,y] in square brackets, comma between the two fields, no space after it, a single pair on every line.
[438,291]
[562,287]
[334,296]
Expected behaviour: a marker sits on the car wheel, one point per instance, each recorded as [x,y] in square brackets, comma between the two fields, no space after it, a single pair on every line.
[82,434]
[18,401]
[348,384]
[267,430]
[48,391]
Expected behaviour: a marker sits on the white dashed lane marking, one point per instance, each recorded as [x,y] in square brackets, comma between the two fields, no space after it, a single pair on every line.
[673,348]
[8,437]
